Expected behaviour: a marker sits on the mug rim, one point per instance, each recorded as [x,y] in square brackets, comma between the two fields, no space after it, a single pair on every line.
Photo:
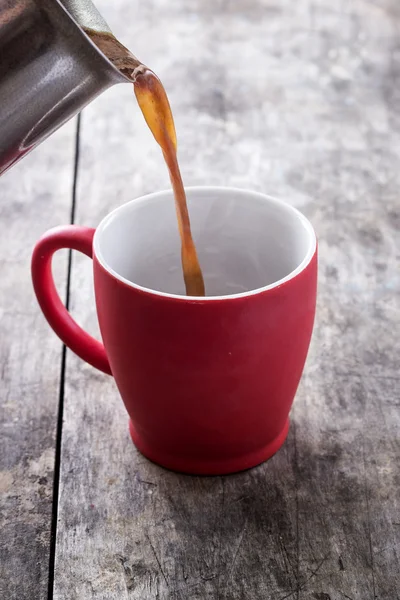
[201,299]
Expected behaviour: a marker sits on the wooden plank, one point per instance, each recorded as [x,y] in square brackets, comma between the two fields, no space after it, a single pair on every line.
[35,195]
[299,100]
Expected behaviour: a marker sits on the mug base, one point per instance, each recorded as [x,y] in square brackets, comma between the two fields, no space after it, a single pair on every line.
[209,467]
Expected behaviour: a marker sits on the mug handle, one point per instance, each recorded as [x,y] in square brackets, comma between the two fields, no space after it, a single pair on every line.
[71,237]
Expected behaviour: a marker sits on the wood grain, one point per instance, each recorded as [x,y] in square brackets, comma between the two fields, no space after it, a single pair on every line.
[35,195]
[299,100]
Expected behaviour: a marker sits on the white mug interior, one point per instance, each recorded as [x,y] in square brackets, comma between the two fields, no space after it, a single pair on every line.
[246,242]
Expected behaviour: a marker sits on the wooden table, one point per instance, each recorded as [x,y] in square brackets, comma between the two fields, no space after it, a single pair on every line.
[297,99]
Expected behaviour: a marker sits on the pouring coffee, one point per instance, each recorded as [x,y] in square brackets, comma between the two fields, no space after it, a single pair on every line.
[154,104]
[55,58]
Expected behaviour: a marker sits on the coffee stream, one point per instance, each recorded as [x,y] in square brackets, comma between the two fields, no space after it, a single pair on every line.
[153,102]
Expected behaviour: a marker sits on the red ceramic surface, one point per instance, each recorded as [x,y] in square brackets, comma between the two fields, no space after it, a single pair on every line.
[208,384]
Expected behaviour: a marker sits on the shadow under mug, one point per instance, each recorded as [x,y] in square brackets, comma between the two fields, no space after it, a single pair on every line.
[208,382]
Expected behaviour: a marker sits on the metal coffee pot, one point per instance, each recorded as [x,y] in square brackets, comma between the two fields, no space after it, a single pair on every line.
[49,70]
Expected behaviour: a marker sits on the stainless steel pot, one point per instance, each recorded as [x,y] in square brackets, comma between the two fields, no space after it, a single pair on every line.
[49,70]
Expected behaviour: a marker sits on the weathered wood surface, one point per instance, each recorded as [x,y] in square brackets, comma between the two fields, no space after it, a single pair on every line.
[35,195]
[301,100]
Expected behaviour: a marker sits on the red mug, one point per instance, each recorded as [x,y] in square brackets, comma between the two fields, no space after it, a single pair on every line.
[208,382]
